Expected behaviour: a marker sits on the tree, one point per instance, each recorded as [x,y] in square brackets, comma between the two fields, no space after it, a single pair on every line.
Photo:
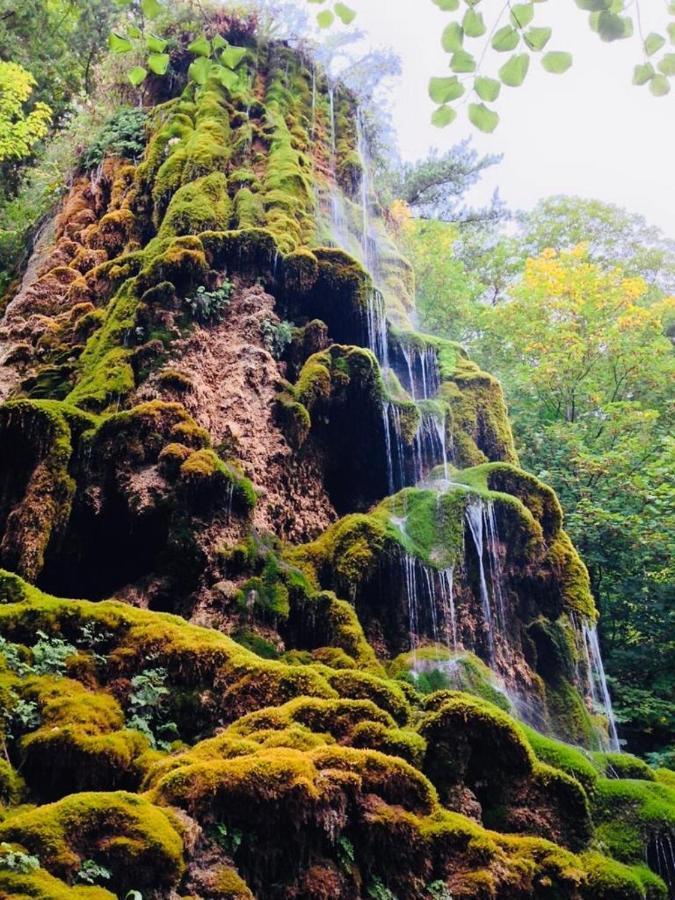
[20,129]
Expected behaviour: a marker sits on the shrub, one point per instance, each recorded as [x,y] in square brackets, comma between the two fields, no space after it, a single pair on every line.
[209,306]
[123,135]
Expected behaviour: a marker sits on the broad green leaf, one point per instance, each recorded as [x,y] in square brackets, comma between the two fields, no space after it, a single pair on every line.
[134,32]
[200,46]
[444,116]
[137,75]
[227,77]
[151,8]
[483,118]
[507,38]
[344,13]
[671,32]
[199,70]
[522,14]
[473,24]
[643,74]
[232,56]
[158,63]
[612,27]
[513,72]
[119,44]
[667,64]
[557,61]
[443,90]
[447,5]
[218,42]
[653,43]
[155,44]
[659,86]
[538,38]
[594,5]
[123,3]
[487,88]
[462,62]
[453,37]
[325,19]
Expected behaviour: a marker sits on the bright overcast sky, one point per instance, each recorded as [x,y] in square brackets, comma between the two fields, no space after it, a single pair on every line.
[588,132]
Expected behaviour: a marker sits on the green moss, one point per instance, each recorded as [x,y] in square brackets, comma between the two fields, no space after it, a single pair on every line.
[436,668]
[40,885]
[607,879]
[623,765]
[363,686]
[574,761]
[628,813]
[402,742]
[201,205]
[12,785]
[206,480]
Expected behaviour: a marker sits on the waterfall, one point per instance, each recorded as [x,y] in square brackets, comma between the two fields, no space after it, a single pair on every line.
[480,517]
[597,681]
[314,100]
[421,377]
[475,520]
[430,601]
[394,445]
[338,215]
[362,149]
[376,327]
[661,858]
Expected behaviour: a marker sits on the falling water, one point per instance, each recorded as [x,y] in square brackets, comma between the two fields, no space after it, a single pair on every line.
[362,148]
[597,681]
[376,325]
[430,601]
[314,99]
[338,215]
[475,520]
[661,858]
[421,371]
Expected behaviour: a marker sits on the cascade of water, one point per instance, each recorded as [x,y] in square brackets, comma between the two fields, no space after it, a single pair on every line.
[497,578]
[446,579]
[661,858]
[475,517]
[338,215]
[362,149]
[376,322]
[597,681]
[421,376]
[439,424]
[314,99]
[430,601]
[407,356]
[395,446]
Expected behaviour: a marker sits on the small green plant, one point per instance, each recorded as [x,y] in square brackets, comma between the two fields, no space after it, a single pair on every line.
[228,838]
[277,337]
[50,654]
[12,656]
[92,872]
[438,890]
[16,860]
[123,135]
[209,306]
[378,891]
[147,704]
[345,853]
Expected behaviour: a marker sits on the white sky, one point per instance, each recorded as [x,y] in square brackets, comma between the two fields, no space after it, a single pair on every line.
[588,132]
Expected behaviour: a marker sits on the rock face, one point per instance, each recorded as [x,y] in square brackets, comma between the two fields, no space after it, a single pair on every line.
[351,646]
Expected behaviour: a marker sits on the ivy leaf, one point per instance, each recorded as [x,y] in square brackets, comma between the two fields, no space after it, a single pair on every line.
[507,38]
[218,42]
[227,77]
[538,38]
[461,61]
[344,13]
[612,27]
[199,70]
[444,116]
[158,63]
[522,14]
[325,18]
[453,37]
[155,44]
[659,86]
[557,62]
[200,46]
[482,117]
[443,90]
[151,8]
[134,32]
[513,72]
[232,56]
[653,43]
[487,88]
[594,5]
[447,5]
[473,23]
[119,44]
[671,32]
[137,75]
[643,74]
[667,64]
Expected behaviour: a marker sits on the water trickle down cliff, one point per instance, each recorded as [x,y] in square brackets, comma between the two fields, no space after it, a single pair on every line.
[355,647]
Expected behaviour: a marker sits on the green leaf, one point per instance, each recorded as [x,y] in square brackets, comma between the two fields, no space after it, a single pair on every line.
[612,27]
[483,118]
[461,61]
[134,32]
[137,75]
[119,44]
[487,88]
[659,86]
[522,14]
[453,37]
[155,44]
[538,38]
[344,13]
[227,77]
[218,42]
[667,64]
[158,63]
[507,38]
[513,72]
[199,70]
[200,46]
[444,116]
[325,18]
[447,5]
[232,56]
[671,32]
[653,43]
[473,23]
[151,8]
[443,90]
[557,62]
[594,5]
[643,74]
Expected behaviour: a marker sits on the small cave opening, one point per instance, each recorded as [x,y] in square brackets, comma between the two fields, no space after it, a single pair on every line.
[104,551]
